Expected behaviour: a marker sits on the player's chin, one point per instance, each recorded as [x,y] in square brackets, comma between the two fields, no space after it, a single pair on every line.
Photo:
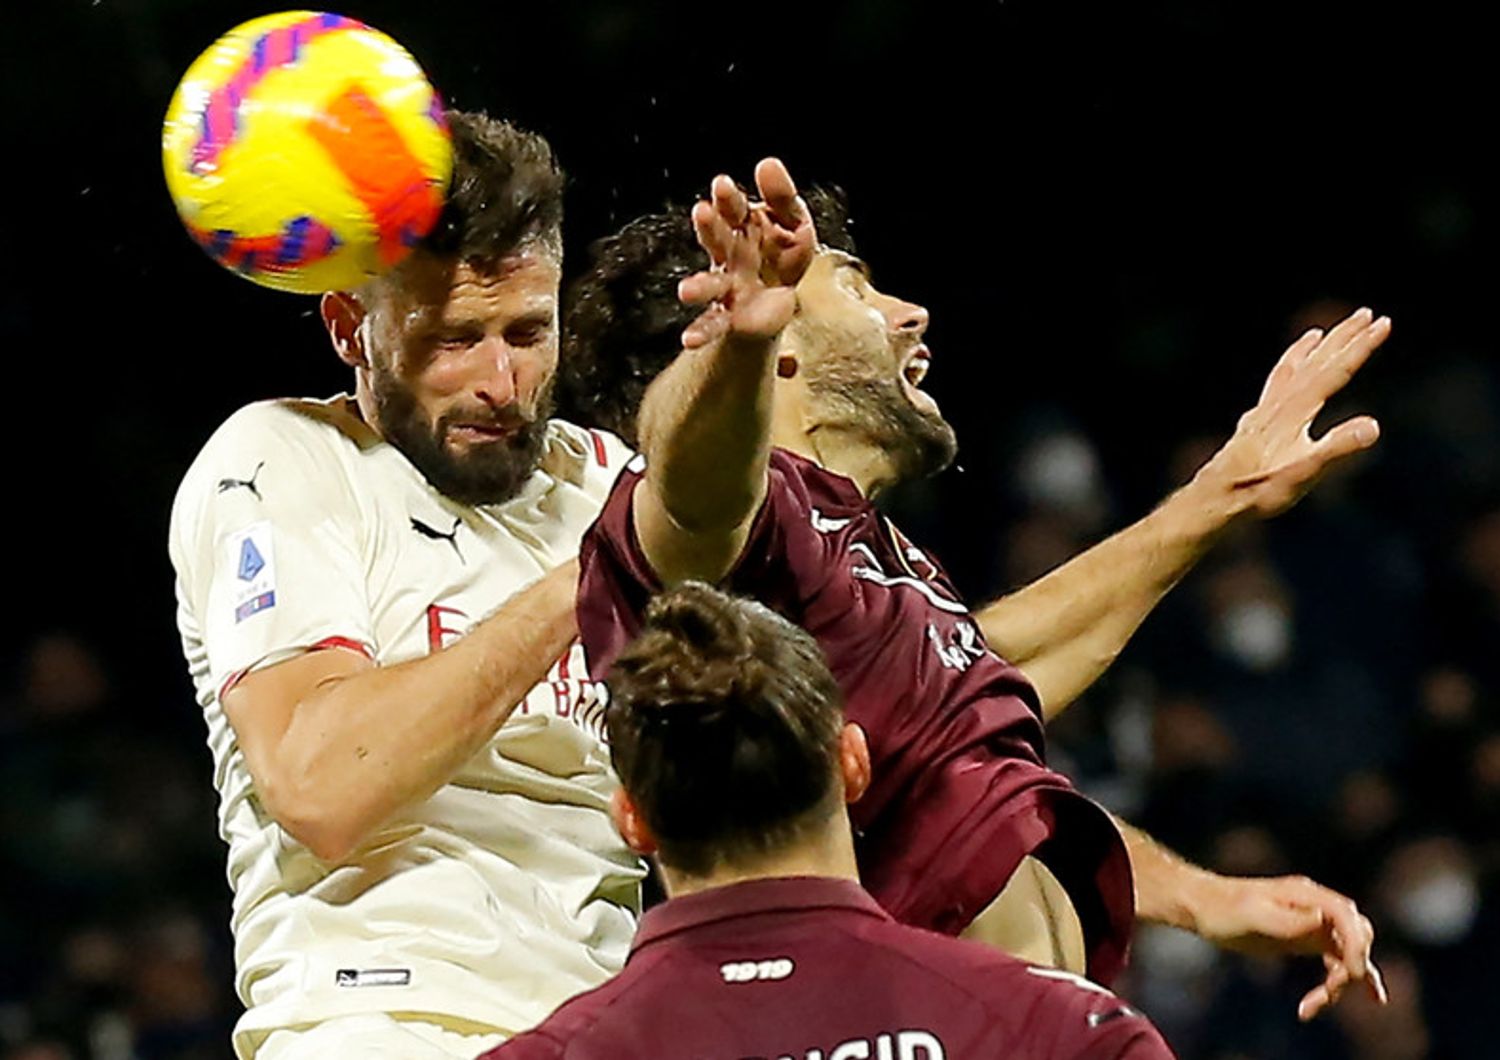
[921,400]
[929,445]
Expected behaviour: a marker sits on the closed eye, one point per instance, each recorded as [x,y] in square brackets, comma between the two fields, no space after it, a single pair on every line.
[456,340]
[527,334]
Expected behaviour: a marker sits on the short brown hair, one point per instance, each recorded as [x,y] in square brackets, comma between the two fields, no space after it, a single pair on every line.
[506,192]
[724,726]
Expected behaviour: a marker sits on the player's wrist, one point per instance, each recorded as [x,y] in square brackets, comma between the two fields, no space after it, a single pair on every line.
[1204,898]
[1208,506]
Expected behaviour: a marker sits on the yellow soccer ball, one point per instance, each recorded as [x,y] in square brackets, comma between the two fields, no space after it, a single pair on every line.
[306,151]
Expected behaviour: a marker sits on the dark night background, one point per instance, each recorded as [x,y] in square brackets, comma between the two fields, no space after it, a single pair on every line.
[1118,216]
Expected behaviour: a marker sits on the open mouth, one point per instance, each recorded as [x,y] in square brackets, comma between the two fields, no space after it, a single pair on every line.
[913,372]
[916,366]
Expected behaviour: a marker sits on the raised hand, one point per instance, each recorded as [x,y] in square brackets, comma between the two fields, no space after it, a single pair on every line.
[1294,915]
[1272,460]
[757,253]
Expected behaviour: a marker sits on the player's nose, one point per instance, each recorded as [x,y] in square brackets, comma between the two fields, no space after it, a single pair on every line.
[909,317]
[496,384]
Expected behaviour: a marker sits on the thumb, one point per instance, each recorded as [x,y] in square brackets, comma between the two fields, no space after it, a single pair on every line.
[1348,438]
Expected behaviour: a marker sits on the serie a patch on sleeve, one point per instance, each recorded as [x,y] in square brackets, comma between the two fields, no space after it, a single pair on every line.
[251,556]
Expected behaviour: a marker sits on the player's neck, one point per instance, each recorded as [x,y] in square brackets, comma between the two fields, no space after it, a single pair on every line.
[364,400]
[829,853]
[843,452]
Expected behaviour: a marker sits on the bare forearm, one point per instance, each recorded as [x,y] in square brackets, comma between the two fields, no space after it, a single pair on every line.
[705,431]
[1168,889]
[1065,629]
[360,747]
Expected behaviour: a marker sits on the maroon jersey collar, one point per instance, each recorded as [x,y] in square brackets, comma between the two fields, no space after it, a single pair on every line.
[840,484]
[752,897]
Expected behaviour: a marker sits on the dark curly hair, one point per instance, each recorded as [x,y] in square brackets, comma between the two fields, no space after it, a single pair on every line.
[724,726]
[622,321]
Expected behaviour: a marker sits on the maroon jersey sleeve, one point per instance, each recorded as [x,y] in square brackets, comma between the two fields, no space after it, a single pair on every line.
[533,1045]
[784,564]
[1086,1022]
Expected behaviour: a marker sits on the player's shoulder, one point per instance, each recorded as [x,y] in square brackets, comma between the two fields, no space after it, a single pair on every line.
[308,435]
[1062,1015]
[1068,1016]
[331,423]
[577,1026]
[583,455]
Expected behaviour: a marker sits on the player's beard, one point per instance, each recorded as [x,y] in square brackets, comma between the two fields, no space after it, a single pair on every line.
[488,473]
[852,396]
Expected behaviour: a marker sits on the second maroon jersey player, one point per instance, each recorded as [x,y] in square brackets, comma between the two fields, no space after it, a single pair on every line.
[960,789]
[806,968]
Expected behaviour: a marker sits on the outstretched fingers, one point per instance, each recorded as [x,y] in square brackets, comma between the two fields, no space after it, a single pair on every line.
[713,232]
[1336,362]
[703,287]
[1286,366]
[731,203]
[779,193]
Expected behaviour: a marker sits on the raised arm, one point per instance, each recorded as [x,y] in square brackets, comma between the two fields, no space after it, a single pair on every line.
[1066,628]
[335,744]
[705,422]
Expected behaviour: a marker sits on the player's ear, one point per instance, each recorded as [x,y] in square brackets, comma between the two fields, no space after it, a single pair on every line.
[854,761]
[630,824]
[345,318]
[788,356]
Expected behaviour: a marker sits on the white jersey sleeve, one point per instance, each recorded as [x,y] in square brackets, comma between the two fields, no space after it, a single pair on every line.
[265,538]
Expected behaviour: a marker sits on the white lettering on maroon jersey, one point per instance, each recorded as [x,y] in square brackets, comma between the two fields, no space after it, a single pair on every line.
[871,571]
[824,525]
[751,971]
[961,648]
[898,1045]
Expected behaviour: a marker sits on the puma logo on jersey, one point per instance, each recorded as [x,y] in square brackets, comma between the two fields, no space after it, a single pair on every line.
[227,484]
[437,535]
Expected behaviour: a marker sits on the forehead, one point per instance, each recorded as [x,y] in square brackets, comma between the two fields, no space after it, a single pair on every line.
[822,276]
[432,290]
[830,259]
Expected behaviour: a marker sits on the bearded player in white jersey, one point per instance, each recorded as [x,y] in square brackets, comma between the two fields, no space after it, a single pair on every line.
[420,855]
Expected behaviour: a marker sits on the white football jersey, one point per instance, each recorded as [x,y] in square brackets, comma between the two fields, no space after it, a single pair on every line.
[508,891]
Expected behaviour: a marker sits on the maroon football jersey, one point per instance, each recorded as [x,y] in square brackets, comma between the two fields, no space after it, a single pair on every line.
[960,790]
[813,969]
